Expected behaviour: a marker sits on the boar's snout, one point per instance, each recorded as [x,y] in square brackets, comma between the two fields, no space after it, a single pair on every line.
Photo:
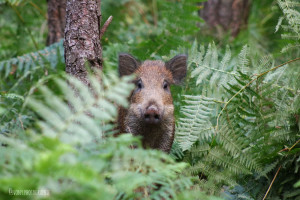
[151,110]
[152,115]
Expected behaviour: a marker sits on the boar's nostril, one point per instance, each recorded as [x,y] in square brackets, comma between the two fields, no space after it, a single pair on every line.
[151,115]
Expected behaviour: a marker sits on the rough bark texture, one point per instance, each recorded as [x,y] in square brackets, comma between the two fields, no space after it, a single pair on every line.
[82,38]
[56,20]
[229,14]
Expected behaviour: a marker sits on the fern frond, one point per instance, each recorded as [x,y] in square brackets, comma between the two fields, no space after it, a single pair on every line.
[71,131]
[243,62]
[221,159]
[207,64]
[51,55]
[82,109]
[12,2]
[195,124]
[12,96]
[291,13]
[290,47]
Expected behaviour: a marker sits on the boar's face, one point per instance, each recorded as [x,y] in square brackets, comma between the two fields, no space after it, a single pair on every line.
[151,101]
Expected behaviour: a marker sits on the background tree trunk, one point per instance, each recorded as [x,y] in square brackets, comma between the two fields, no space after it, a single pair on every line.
[228,14]
[56,20]
[82,38]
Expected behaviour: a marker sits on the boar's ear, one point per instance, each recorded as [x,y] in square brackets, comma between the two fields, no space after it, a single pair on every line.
[127,64]
[177,66]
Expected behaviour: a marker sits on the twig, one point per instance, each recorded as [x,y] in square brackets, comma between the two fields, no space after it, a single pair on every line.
[105,26]
[27,29]
[155,17]
[39,9]
[289,149]
[244,87]
[294,145]
[21,122]
[285,149]
[271,183]
[142,13]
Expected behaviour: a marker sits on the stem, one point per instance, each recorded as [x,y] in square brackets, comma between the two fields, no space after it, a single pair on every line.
[244,87]
[294,145]
[155,18]
[38,8]
[289,149]
[272,183]
[28,30]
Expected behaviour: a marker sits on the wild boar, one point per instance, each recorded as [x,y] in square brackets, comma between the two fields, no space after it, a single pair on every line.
[151,110]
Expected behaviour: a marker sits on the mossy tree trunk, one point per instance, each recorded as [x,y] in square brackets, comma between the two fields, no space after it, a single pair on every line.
[82,38]
[226,15]
[56,20]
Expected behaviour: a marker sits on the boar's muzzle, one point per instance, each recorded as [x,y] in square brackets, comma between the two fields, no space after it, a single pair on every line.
[152,115]
[151,110]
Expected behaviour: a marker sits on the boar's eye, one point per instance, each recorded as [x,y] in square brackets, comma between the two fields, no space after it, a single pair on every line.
[139,84]
[166,85]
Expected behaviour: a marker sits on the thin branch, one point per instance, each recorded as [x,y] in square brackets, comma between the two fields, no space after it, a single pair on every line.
[272,183]
[244,87]
[27,29]
[21,122]
[155,16]
[285,149]
[142,13]
[39,9]
[105,26]
[289,149]
[294,145]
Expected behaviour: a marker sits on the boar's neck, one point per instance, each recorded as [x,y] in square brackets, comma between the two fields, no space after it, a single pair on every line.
[156,136]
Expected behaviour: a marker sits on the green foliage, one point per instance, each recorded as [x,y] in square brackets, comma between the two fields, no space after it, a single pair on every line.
[20,77]
[80,116]
[52,55]
[237,114]
[292,28]
[69,154]
[11,2]
[195,125]
[241,124]
[23,27]
[150,28]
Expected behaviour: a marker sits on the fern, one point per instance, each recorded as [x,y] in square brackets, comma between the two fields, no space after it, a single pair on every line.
[237,143]
[208,68]
[291,14]
[27,63]
[72,154]
[195,124]
[91,107]
[12,2]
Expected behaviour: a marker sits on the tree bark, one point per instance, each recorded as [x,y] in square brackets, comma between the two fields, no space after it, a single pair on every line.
[82,38]
[56,20]
[230,15]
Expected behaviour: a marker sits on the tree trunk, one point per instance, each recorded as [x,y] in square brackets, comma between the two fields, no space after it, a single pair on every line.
[230,15]
[82,38]
[56,20]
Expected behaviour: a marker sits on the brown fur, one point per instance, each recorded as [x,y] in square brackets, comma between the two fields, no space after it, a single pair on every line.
[153,75]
